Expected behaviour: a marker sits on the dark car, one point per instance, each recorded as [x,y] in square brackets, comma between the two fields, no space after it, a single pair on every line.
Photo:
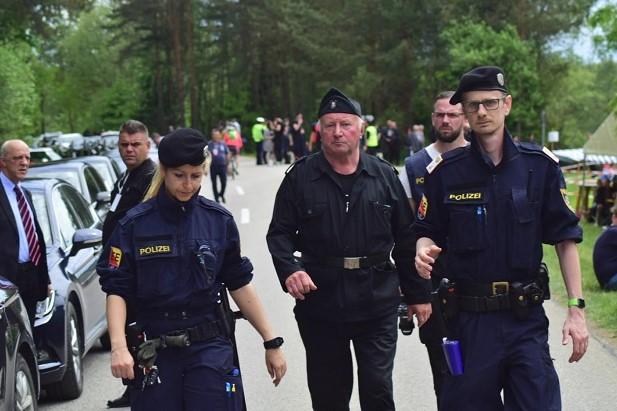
[82,176]
[70,321]
[106,167]
[18,366]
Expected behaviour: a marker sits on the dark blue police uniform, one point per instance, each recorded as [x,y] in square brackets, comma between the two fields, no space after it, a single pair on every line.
[170,258]
[492,220]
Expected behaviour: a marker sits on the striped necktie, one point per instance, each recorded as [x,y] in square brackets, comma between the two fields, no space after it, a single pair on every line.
[28,221]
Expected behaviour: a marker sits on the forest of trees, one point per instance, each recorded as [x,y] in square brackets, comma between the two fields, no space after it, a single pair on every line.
[85,65]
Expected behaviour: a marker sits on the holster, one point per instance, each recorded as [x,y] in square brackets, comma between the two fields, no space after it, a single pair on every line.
[134,338]
[448,298]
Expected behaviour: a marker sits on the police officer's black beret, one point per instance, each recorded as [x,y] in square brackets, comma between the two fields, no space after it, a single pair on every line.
[182,146]
[480,78]
[336,102]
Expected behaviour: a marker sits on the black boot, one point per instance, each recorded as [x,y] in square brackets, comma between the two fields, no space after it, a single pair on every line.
[122,401]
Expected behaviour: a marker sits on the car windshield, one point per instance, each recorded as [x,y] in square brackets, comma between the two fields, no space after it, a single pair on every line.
[40,207]
[68,176]
[104,172]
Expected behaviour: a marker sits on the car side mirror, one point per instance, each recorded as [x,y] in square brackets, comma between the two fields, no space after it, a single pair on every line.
[86,238]
[103,197]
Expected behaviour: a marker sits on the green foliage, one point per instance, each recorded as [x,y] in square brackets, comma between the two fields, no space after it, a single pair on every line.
[605,19]
[17,88]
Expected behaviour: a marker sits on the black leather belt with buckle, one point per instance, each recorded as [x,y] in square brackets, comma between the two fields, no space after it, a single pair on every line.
[348,263]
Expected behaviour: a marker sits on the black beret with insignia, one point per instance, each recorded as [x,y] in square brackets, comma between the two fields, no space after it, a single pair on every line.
[480,78]
[336,102]
[183,146]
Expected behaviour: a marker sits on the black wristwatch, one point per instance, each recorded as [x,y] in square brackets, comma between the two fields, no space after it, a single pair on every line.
[576,302]
[273,343]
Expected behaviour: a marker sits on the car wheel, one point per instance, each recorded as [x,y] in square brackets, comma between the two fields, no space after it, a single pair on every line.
[72,383]
[105,341]
[25,393]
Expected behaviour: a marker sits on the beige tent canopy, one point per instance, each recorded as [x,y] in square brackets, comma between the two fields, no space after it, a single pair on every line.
[604,140]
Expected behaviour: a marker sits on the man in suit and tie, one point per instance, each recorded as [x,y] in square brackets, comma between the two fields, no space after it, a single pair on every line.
[22,254]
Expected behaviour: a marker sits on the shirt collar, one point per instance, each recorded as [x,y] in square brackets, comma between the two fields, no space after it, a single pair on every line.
[322,166]
[509,148]
[172,208]
[9,185]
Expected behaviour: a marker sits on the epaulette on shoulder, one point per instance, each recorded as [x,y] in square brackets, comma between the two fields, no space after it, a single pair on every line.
[298,161]
[211,205]
[536,149]
[446,157]
[138,210]
[389,164]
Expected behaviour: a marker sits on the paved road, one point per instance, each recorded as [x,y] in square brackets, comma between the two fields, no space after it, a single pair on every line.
[590,385]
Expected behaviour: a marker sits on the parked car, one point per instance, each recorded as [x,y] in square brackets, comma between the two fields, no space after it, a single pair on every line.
[18,366]
[48,139]
[107,169]
[82,176]
[72,319]
[70,144]
[93,145]
[110,139]
[43,155]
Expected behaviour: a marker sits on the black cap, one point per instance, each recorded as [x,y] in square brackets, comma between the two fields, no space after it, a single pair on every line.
[480,78]
[336,102]
[183,146]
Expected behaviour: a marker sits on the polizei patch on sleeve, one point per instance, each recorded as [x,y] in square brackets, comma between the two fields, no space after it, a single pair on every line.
[115,257]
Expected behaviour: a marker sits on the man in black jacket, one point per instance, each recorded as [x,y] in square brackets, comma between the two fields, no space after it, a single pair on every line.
[22,255]
[346,212]
[129,190]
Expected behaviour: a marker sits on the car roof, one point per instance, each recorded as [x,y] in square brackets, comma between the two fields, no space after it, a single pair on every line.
[66,164]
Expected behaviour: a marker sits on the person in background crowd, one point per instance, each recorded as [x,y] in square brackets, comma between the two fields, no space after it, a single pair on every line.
[315,138]
[605,255]
[298,137]
[493,204]
[346,211]
[172,258]
[391,140]
[221,155]
[23,258]
[129,190]
[372,136]
[258,132]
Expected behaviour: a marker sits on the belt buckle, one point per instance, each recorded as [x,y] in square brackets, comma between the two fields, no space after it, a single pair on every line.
[351,263]
[500,287]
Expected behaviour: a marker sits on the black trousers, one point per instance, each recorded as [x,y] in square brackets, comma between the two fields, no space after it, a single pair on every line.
[329,363]
[431,335]
[27,282]
[219,171]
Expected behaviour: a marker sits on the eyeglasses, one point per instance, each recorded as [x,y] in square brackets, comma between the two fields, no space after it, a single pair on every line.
[452,116]
[489,104]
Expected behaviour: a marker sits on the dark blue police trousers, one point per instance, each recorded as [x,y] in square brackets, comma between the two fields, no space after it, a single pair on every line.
[329,364]
[201,377]
[502,352]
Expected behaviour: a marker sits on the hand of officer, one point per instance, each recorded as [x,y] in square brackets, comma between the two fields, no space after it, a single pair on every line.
[122,363]
[276,364]
[421,311]
[298,284]
[425,258]
[576,327]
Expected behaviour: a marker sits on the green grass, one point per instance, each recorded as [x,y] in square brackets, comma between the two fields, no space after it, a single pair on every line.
[601,305]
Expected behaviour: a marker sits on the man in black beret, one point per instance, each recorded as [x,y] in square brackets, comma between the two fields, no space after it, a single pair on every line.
[493,204]
[347,213]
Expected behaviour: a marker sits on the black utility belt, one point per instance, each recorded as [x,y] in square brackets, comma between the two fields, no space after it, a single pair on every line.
[500,295]
[185,337]
[348,263]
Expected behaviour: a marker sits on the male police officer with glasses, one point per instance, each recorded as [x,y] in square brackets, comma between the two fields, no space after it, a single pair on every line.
[346,211]
[492,205]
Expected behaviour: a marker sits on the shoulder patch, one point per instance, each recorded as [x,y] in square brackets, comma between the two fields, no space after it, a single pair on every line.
[211,205]
[532,148]
[550,154]
[295,163]
[389,164]
[436,161]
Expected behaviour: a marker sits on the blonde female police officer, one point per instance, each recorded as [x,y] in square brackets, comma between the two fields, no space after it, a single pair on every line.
[170,256]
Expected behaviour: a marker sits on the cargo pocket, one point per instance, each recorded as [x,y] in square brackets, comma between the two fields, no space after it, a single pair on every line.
[467,227]
[523,230]
[233,390]
[203,263]
[154,262]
